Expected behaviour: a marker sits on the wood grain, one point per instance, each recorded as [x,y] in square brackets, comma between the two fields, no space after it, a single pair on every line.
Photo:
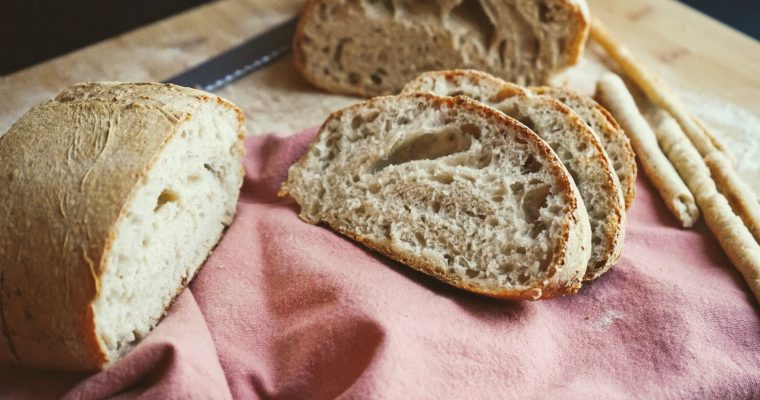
[688,49]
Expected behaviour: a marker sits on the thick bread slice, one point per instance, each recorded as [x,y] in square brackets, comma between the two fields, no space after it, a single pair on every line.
[612,136]
[114,195]
[572,140]
[451,188]
[371,47]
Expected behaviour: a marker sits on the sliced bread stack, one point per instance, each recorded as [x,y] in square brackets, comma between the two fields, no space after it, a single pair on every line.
[449,187]
[569,136]
[484,184]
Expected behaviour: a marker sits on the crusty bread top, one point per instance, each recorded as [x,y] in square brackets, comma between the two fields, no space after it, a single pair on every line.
[70,166]
[368,47]
[612,136]
[376,168]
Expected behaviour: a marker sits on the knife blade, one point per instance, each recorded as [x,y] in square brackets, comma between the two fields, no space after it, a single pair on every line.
[253,54]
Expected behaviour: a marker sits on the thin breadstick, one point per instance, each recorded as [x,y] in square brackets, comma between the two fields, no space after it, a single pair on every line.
[618,100]
[732,234]
[741,197]
[710,132]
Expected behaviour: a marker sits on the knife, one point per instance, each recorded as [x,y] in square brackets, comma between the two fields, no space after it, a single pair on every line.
[253,54]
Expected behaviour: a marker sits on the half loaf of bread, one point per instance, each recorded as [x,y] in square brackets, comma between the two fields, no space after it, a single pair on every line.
[573,141]
[114,194]
[371,47]
[451,188]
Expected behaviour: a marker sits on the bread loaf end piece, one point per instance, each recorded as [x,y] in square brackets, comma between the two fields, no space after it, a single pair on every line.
[369,47]
[117,193]
[451,188]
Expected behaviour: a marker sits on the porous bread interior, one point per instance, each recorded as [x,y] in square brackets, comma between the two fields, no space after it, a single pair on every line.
[467,195]
[375,46]
[615,143]
[173,220]
[540,113]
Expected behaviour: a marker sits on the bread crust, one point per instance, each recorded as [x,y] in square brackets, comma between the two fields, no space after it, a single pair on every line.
[568,266]
[573,47]
[72,187]
[610,133]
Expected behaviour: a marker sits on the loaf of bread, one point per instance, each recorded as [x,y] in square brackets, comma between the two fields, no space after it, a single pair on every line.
[451,188]
[372,47]
[574,142]
[114,194]
[609,132]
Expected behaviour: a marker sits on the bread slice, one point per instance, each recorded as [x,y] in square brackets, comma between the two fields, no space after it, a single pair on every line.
[372,47]
[608,131]
[451,188]
[572,140]
[115,194]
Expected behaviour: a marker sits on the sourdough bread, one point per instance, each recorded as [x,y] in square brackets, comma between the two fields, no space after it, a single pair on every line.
[573,141]
[451,188]
[114,195]
[608,131]
[372,47]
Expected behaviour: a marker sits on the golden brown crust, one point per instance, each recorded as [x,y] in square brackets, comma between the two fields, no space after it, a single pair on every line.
[550,287]
[85,153]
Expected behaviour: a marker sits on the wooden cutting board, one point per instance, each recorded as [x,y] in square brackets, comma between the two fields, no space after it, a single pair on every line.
[688,49]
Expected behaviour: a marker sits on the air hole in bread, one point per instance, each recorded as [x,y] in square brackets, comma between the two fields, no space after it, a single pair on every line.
[166,196]
[471,273]
[547,261]
[531,165]
[537,229]
[472,14]
[517,188]
[502,54]
[427,146]
[338,55]
[544,12]
[497,199]
[356,122]
[373,188]
[354,78]
[435,206]
[535,199]
[449,259]
[420,239]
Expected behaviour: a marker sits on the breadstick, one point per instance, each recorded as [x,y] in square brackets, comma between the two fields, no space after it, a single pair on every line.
[714,140]
[732,234]
[741,197]
[615,97]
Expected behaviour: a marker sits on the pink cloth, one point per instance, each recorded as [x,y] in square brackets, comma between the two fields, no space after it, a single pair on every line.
[283,309]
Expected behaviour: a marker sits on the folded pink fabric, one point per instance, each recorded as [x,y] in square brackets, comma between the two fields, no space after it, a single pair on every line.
[283,309]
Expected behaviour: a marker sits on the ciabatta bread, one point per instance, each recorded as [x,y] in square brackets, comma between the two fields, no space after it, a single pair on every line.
[451,188]
[371,47]
[573,141]
[608,131]
[114,194]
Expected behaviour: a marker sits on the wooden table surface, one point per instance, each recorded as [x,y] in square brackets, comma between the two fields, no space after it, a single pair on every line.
[689,50]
